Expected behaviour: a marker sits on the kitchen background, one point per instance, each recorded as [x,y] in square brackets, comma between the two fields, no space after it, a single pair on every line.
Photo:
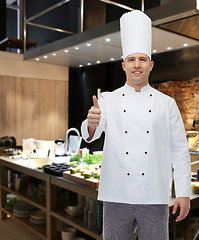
[42,101]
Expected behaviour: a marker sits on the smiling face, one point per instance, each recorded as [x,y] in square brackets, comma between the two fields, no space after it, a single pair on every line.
[137,67]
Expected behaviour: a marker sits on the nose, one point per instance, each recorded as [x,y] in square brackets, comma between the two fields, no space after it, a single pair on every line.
[137,63]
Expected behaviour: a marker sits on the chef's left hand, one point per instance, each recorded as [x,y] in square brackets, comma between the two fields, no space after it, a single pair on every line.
[184,204]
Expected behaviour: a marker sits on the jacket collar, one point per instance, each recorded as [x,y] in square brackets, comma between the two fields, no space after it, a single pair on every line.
[132,89]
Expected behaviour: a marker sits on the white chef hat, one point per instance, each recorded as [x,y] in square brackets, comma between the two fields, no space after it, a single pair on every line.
[135,32]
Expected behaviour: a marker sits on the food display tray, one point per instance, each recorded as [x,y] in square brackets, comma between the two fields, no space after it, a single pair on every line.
[56,168]
[90,182]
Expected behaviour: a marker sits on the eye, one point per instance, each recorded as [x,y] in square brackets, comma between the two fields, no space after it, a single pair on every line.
[143,59]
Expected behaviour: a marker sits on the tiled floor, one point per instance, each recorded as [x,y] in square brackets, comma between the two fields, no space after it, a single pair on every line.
[12,230]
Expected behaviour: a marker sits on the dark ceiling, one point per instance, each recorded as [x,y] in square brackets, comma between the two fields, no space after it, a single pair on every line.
[187,26]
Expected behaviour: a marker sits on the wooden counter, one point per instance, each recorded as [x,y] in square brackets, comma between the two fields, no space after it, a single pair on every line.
[28,167]
[48,231]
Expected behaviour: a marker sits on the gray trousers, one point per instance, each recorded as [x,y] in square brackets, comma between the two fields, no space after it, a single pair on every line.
[120,220]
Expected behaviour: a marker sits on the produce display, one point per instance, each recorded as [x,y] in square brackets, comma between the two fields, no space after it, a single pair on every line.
[88,166]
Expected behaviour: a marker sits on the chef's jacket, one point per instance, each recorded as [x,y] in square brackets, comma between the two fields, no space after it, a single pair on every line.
[144,139]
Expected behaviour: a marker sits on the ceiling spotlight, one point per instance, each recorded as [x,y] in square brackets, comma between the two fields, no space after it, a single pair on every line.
[97,62]
[45,57]
[88,44]
[185,45]
[154,51]
[54,54]
[80,65]
[77,48]
[66,50]
[108,39]
[168,48]
[88,64]
[37,59]
[112,59]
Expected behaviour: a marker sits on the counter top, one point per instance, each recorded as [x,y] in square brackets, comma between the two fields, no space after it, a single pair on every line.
[30,164]
[194,197]
[194,153]
[28,167]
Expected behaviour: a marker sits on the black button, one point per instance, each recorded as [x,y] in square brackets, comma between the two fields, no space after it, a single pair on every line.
[150,95]
[127,152]
[128,173]
[125,131]
[123,94]
[149,110]
[145,152]
[142,174]
[147,131]
[124,110]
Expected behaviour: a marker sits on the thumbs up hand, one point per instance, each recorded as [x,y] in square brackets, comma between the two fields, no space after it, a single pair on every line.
[94,115]
[95,102]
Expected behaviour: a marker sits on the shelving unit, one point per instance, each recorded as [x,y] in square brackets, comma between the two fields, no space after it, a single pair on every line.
[76,222]
[39,230]
[42,231]
[46,231]
[24,198]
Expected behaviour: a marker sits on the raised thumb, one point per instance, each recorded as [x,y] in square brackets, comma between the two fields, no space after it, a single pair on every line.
[95,103]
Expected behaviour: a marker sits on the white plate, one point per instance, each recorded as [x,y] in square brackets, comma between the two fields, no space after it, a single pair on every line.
[37,221]
[38,215]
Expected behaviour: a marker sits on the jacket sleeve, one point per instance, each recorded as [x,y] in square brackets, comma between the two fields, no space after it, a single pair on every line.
[180,152]
[102,124]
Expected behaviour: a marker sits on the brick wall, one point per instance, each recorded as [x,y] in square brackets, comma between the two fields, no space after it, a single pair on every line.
[186,94]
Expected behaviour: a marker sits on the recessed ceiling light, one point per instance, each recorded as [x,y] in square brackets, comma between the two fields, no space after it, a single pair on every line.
[77,48]
[185,45]
[112,59]
[37,59]
[154,51]
[88,64]
[45,57]
[108,39]
[168,48]
[88,44]
[98,62]
[54,54]
[66,50]
[80,65]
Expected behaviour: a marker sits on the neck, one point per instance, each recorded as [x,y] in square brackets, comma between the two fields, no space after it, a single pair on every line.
[137,87]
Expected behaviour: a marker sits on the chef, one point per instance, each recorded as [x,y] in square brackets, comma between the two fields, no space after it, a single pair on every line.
[144,140]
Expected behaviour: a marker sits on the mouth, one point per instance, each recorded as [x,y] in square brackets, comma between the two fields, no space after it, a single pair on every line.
[137,72]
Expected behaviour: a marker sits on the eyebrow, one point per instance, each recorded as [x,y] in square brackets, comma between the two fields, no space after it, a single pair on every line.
[135,57]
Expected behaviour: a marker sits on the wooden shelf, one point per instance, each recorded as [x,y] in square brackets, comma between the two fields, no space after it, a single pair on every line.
[25,198]
[75,187]
[17,43]
[23,169]
[76,222]
[47,231]
[39,230]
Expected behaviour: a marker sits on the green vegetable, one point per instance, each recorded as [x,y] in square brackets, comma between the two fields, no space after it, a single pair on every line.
[74,164]
[92,159]
[75,158]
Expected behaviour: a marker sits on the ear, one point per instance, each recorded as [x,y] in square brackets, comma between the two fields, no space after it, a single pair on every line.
[151,65]
[123,66]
